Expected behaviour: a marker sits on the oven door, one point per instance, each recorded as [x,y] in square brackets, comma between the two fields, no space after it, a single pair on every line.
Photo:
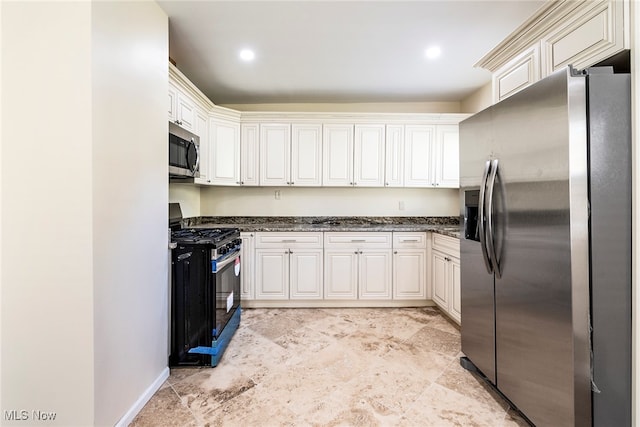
[227,284]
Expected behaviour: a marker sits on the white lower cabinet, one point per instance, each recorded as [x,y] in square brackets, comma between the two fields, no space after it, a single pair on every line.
[357,266]
[379,268]
[409,265]
[289,266]
[445,274]
[341,274]
[247,265]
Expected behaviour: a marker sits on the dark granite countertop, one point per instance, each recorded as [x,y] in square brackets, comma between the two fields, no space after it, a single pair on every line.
[448,226]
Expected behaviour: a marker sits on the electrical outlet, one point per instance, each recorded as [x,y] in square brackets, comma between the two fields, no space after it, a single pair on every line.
[277,194]
[401,205]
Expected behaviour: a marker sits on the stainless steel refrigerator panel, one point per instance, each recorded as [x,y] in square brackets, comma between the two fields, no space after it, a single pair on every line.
[610,172]
[477,293]
[534,332]
[478,330]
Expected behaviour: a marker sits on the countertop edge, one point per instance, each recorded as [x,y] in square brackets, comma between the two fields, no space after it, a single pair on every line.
[446,229]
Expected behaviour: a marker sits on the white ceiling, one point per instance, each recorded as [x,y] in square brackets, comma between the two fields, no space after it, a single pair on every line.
[338,51]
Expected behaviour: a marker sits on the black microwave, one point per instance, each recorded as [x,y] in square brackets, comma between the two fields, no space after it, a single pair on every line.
[184,153]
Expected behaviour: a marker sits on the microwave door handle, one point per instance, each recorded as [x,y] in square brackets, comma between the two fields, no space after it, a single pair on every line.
[197,164]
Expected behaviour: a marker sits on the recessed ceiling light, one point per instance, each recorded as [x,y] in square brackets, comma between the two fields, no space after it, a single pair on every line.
[247,55]
[433,52]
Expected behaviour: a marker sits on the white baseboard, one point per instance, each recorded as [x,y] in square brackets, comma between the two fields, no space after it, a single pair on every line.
[143,399]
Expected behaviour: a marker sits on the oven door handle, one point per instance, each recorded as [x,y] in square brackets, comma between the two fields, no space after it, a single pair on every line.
[220,265]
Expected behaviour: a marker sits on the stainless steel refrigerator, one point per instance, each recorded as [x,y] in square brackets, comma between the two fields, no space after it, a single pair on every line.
[545,196]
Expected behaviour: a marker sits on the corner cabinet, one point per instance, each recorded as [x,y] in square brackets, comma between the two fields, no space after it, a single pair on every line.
[445,274]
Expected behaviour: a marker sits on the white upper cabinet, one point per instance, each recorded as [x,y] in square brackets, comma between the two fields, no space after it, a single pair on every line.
[249,154]
[418,146]
[561,33]
[306,155]
[275,154]
[369,152]
[394,156]
[517,74]
[447,157]
[182,109]
[202,130]
[593,32]
[337,158]
[224,156]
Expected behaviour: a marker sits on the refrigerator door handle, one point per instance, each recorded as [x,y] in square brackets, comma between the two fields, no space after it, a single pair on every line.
[482,219]
[491,247]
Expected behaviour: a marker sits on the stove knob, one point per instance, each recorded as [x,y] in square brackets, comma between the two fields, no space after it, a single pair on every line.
[223,250]
[237,242]
[231,245]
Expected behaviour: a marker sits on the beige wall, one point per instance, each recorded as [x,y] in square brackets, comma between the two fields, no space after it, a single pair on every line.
[257,201]
[130,78]
[84,228]
[478,100]
[188,195]
[47,267]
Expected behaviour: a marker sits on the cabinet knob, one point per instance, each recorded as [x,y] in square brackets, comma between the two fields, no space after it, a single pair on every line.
[356,252]
[395,252]
[241,182]
[386,184]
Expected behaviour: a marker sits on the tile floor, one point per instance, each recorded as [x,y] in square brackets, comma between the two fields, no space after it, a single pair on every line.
[332,367]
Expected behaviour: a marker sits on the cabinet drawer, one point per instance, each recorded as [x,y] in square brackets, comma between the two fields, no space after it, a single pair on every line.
[289,240]
[446,244]
[410,240]
[380,240]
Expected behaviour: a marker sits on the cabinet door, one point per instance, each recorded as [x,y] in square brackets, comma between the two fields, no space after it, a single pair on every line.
[249,154]
[454,276]
[275,154]
[517,74]
[418,143]
[173,103]
[447,157]
[341,274]
[394,149]
[306,155]
[247,264]
[594,31]
[306,273]
[202,130]
[374,274]
[186,112]
[368,164]
[337,155]
[439,280]
[224,156]
[409,274]
[272,274]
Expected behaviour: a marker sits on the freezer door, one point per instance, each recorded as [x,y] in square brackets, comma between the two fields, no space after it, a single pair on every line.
[476,280]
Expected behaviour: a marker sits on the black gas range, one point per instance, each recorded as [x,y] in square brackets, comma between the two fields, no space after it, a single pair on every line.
[205,293]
